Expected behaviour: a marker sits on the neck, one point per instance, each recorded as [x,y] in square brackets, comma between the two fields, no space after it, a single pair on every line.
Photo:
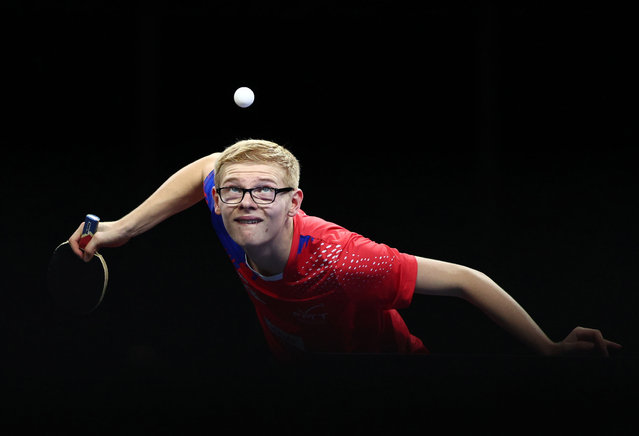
[270,259]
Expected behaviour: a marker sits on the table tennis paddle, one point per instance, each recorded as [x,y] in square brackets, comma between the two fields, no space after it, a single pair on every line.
[76,286]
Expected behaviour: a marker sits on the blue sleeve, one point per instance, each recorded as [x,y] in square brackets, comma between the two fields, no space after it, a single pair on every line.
[235,252]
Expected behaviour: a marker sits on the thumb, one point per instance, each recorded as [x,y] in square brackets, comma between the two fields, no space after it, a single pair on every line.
[89,250]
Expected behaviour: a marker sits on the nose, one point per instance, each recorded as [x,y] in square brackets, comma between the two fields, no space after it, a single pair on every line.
[247,202]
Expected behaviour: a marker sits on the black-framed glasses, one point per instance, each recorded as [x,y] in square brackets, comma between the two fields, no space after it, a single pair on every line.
[259,194]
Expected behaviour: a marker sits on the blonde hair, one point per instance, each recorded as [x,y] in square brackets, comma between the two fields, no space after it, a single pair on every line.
[260,151]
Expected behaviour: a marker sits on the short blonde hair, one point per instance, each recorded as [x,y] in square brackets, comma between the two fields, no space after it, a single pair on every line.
[260,151]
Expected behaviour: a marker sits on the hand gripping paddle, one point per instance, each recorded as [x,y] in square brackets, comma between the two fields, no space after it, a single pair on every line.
[77,286]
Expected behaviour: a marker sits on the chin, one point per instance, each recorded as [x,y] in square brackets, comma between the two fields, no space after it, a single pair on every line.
[247,240]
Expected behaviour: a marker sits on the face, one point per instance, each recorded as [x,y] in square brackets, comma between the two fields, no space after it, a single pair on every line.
[251,224]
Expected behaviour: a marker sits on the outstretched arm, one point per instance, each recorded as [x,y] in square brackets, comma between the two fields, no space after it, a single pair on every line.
[179,192]
[443,278]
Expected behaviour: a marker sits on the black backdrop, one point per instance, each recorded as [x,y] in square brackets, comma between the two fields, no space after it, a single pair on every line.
[499,137]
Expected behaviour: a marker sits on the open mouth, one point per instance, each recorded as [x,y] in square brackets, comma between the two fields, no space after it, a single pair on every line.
[248,220]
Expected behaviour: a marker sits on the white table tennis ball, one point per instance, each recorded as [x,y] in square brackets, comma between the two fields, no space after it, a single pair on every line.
[244,97]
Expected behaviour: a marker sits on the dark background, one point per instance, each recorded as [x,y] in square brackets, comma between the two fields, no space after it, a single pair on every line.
[501,137]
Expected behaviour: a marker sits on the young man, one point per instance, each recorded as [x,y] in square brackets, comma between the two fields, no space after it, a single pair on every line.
[316,286]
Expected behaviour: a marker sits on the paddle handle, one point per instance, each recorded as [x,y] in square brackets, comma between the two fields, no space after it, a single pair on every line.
[90,227]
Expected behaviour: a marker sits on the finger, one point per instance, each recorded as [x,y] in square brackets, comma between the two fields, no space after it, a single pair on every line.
[613,345]
[601,344]
[594,336]
[87,256]
[74,241]
[89,250]
[603,350]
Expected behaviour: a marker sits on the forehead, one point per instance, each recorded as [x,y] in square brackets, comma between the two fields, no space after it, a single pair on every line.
[250,172]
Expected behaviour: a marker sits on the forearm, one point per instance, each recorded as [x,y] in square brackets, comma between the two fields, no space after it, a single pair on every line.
[179,192]
[479,290]
[442,278]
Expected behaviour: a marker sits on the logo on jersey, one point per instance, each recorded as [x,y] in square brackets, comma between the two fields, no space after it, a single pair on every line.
[313,315]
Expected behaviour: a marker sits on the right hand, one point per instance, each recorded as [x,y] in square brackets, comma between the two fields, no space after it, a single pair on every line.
[109,234]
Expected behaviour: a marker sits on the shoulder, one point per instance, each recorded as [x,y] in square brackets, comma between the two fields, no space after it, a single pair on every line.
[358,249]
[207,164]
[320,229]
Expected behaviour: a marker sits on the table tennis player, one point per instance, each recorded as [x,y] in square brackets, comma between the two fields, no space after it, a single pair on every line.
[316,286]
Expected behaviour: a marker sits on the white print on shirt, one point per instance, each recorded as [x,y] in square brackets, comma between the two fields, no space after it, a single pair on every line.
[363,271]
[329,266]
[284,337]
[311,316]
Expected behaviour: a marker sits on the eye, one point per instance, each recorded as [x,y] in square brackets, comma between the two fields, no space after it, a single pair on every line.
[265,190]
[235,190]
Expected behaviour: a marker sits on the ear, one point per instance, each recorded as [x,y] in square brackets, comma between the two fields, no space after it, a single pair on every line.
[296,203]
[216,200]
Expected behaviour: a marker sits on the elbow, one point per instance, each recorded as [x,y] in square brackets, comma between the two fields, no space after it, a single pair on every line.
[468,280]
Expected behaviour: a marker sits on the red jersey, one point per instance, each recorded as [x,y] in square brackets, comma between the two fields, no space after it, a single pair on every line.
[338,292]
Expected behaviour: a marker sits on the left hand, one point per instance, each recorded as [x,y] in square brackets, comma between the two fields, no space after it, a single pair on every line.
[582,340]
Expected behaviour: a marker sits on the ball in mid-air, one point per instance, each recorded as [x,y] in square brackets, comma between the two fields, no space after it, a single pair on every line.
[244,97]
